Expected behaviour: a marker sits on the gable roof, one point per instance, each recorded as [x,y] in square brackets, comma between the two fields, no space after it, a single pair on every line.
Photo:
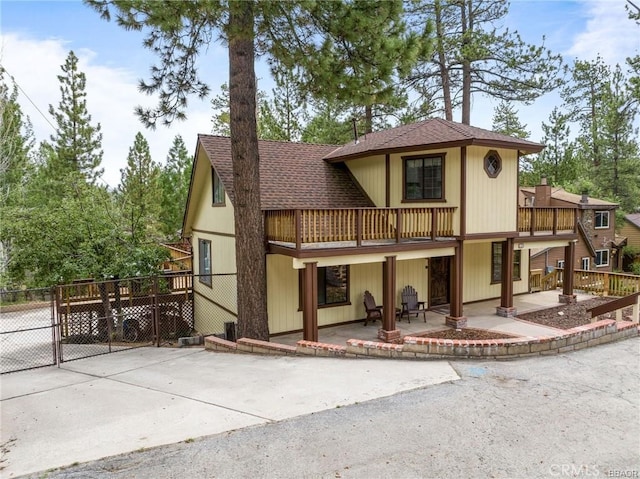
[633,219]
[292,175]
[428,134]
[558,193]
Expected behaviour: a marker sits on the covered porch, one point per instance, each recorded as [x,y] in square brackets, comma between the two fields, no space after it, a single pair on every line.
[480,315]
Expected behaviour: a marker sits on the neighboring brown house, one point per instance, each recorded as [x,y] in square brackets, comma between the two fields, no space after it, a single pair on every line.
[596,246]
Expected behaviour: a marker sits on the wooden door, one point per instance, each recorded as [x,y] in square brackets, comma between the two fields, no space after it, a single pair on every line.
[439,280]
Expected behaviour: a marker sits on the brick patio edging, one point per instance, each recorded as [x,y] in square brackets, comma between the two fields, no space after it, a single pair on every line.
[600,332]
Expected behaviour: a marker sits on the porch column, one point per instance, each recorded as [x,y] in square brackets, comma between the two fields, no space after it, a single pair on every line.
[388,332]
[310,302]
[455,319]
[506,308]
[567,295]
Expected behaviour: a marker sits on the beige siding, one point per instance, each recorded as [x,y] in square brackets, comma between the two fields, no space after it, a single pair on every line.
[283,291]
[209,317]
[632,234]
[282,295]
[477,273]
[371,173]
[492,203]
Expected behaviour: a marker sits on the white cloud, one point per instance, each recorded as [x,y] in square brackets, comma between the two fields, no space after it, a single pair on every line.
[608,32]
[111,96]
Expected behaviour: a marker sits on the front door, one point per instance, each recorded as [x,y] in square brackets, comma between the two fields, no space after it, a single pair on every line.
[439,276]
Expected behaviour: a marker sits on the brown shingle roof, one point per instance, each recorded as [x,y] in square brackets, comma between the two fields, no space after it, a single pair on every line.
[292,175]
[429,134]
[561,194]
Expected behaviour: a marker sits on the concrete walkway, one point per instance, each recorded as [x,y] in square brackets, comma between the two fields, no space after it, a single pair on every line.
[481,315]
[136,399]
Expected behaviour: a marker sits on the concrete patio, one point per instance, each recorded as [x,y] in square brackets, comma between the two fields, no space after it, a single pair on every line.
[480,315]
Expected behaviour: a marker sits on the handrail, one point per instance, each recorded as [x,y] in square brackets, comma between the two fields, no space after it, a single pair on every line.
[618,304]
[303,226]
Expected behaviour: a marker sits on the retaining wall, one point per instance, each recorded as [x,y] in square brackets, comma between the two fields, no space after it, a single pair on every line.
[600,332]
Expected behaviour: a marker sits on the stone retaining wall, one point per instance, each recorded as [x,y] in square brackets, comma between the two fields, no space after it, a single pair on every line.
[600,332]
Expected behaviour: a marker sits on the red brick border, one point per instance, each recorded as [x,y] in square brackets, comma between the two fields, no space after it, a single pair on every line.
[600,332]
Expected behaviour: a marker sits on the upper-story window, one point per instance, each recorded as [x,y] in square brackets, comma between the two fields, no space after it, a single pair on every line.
[423,177]
[218,189]
[492,164]
[601,219]
[586,263]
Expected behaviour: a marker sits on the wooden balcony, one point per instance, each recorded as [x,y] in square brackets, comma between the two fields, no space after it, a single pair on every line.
[357,226]
[546,221]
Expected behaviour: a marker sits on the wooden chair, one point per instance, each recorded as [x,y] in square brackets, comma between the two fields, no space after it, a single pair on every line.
[373,312]
[411,305]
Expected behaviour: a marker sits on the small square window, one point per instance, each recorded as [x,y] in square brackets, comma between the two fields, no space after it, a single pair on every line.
[561,263]
[586,263]
[492,164]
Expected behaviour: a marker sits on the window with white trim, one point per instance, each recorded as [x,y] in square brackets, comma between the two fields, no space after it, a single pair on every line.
[602,257]
[586,264]
[601,219]
[560,263]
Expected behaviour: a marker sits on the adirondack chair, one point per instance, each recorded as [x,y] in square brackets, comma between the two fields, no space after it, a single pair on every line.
[411,305]
[373,312]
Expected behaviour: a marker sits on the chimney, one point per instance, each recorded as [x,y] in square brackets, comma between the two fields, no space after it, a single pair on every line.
[543,193]
[585,198]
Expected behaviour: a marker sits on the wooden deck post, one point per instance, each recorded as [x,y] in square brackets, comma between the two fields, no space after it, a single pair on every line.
[388,332]
[455,318]
[310,302]
[506,308]
[567,295]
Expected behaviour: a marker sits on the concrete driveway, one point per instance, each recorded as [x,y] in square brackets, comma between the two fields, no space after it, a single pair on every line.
[574,415]
[137,399]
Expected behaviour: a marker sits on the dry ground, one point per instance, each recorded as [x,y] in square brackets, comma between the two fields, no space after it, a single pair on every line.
[565,316]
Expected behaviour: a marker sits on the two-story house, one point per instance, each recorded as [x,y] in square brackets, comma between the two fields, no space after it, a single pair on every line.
[596,247]
[432,204]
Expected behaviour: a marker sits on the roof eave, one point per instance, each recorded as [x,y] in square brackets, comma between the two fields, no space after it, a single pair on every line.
[522,148]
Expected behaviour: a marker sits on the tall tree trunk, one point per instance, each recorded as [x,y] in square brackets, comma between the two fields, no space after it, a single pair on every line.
[467,31]
[442,63]
[368,119]
[249,228]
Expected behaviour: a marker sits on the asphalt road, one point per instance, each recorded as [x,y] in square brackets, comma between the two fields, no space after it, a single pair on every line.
[572,415]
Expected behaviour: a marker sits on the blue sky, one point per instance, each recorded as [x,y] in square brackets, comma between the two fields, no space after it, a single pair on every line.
[36,36]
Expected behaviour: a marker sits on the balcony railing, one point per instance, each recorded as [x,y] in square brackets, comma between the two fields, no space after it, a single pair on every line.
[299,227]
[534,220]
[357,225]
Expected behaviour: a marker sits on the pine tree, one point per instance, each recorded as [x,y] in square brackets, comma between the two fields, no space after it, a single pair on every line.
[174,187]
[77,143]
[178,31]
[16,143]
[140,194]
[472,56]
[506,121]
[557,162]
